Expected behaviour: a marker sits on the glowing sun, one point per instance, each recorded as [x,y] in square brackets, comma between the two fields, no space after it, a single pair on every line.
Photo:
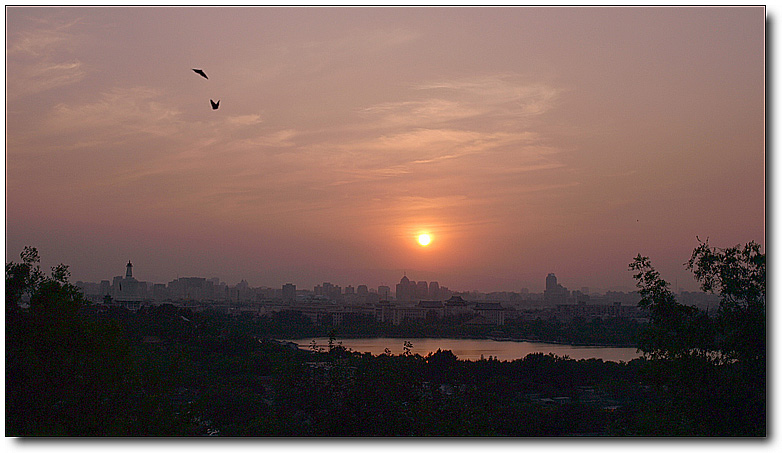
[424,239]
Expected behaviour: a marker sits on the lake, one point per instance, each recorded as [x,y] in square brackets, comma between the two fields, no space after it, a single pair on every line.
[467,349]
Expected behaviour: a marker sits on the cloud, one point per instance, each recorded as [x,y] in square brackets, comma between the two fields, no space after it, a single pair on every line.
[453,118]
[494,97]
[467,144]
[42,59]
[359,42]
[48,38]
[42,76]
[244,120]
[428,111]
[116,115]
[450,145]
[316,57]
[424,152]
[498,89]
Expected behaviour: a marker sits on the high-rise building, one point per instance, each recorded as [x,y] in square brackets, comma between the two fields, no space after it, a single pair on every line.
[160,292]
[105,287]
[333,292]
[434,291]
[551,282]
[405,289]
[422,290]
[554,293]
[194,288]
[384,292]
[289,292]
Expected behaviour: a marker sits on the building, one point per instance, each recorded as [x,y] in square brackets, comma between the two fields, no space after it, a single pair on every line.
[421,290]
[434,291]
[160,292]
[105,287]
[554,292]
[289,293]
[566,312]
[332,292]
[400,314]
[191,288]
[128,289]
[491,311]
[456,305]
[405,290]
[433,309]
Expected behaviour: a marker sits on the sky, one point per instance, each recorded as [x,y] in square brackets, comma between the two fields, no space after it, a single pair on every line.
[523,140]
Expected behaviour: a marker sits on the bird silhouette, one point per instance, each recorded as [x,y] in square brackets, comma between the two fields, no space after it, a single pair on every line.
[201,73]
[215,105]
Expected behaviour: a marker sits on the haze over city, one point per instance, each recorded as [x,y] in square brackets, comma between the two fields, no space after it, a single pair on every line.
[523,141]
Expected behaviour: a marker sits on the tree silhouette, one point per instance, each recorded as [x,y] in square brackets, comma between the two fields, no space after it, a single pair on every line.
[26,281]
[707,366]
[674,330]
[736,333]
[738,274]
[65,374]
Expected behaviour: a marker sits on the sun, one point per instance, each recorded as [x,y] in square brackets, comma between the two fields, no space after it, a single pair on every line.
[424,239]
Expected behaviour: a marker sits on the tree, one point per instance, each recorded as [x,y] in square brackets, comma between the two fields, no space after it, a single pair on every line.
[26,281]
[737,332]
[706,367]
[674,330]
[21,279]
[738,274]
[65,374]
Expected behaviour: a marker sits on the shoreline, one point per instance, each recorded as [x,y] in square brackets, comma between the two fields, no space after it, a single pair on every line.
[503,339]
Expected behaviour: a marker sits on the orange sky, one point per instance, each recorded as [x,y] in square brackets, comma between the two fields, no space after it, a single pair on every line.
[523,140]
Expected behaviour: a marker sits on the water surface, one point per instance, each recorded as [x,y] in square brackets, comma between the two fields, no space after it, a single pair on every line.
[467,349]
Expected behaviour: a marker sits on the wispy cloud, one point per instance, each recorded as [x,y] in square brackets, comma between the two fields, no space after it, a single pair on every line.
[116,114]
[505,91]
[43,75]
[244,120]
[495,97]
[47,38]
[316,56]
[356,43]
[466,144]
[427,111]
[43,58]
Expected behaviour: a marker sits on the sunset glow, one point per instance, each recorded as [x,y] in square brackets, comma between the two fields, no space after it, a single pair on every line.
[523,141]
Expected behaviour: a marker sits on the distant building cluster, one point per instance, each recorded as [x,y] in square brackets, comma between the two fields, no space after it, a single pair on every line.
[412,302]
[407,290]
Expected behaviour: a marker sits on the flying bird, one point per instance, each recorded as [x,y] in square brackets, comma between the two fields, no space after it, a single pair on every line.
[201,73]
[215,105]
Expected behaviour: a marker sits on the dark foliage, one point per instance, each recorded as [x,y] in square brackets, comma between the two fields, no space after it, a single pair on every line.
[706,367]
[82,370]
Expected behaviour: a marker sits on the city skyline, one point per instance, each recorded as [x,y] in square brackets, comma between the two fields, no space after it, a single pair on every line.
[343,285]
[524,141]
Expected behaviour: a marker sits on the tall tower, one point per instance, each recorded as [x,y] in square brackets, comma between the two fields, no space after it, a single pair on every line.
[129,270]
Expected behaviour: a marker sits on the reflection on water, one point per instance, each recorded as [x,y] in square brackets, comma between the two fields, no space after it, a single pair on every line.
[474,349]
